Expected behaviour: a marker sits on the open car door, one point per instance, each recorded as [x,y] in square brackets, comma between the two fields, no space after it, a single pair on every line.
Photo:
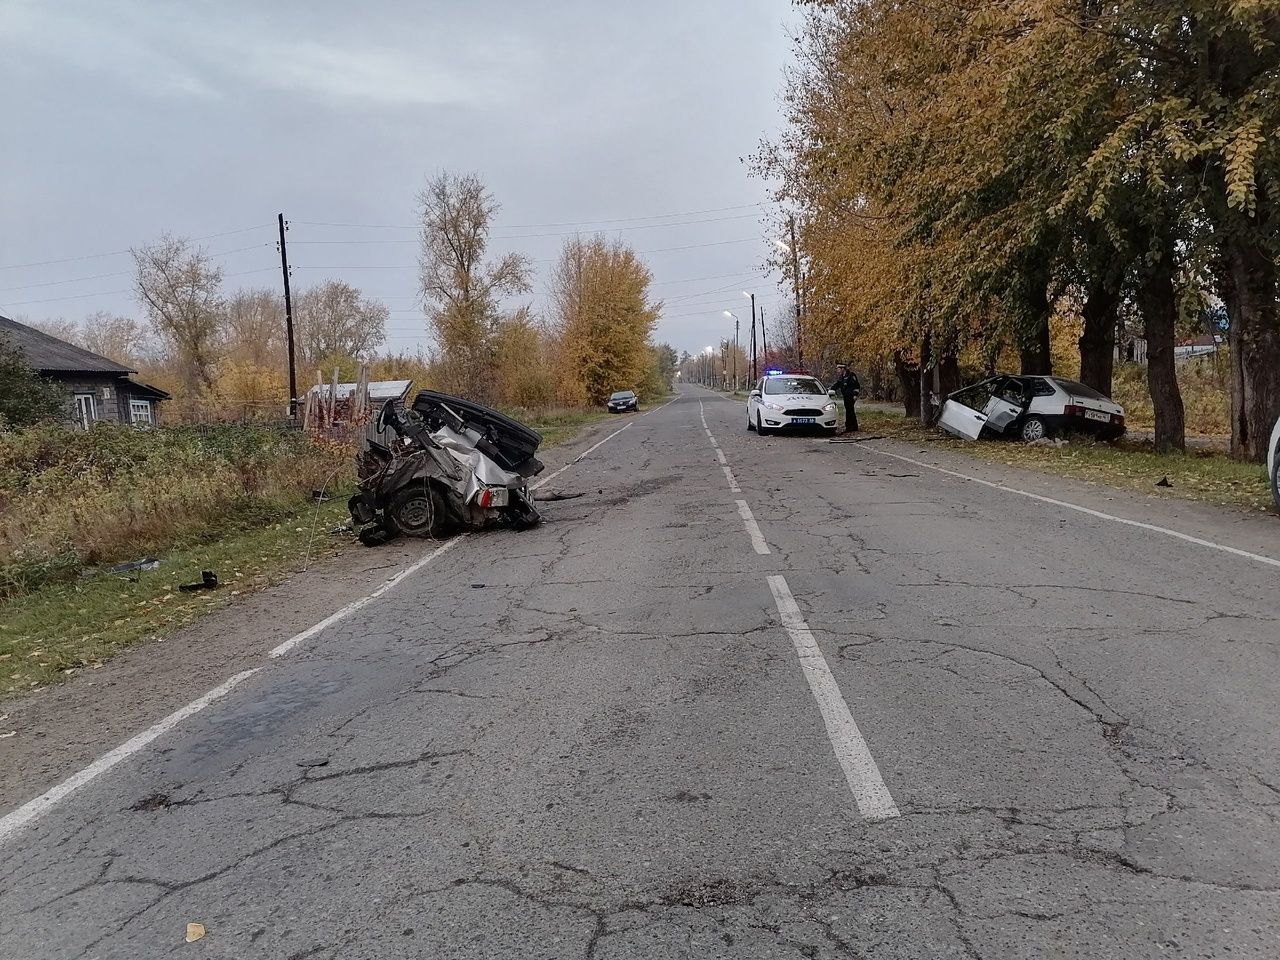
[1010,399]
[1001,412]
[966,411]
[962,421]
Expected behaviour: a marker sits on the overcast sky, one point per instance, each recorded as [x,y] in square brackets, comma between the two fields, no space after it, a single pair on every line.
[126,118]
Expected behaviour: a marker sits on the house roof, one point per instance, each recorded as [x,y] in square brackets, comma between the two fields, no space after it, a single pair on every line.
[50,355]
[146,391]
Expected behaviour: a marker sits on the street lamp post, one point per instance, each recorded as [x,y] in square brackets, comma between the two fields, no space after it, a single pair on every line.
[707,366]
[754,374]
[729,313]
[792,249]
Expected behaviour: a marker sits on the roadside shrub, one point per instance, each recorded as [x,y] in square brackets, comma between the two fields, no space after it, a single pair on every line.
[72,498]
[1206,395]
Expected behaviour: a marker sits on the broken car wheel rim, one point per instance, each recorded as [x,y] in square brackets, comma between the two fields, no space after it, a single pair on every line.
[415,514]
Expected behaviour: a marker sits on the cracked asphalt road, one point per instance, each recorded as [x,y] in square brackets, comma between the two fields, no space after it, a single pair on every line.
[595,740]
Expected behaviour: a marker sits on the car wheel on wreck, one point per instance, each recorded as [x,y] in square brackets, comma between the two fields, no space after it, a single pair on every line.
[419,512]
[1033,429]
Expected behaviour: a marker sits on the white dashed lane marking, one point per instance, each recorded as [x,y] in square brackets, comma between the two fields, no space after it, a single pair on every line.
[753,528]
[854,756]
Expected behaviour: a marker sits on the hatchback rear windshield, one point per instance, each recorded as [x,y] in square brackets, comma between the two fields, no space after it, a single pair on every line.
[805,386]
[621,395]
[1080,390]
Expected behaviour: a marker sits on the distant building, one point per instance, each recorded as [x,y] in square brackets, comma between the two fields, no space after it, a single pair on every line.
[1131,350]
[97,389]
[380,391]
[1205,345]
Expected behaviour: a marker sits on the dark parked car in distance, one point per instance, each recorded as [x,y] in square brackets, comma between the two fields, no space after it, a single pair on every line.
[623,400]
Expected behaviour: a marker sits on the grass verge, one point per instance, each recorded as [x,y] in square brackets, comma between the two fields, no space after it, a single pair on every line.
[52,633]
[1206,476]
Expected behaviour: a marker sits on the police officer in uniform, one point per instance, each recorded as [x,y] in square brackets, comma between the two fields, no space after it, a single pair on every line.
[848,387]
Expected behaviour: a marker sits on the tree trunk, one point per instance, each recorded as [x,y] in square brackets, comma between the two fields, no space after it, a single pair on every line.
[1098,340]
[1255,347]
[1035,347]
[909,377]
[1159,304]
[927,363]
[876,375]
[948,375]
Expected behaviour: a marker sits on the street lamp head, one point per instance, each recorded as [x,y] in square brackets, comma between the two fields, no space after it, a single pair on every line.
[747,295]
[730,315]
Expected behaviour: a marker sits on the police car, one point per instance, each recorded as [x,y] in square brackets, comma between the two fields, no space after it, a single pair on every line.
[790,401]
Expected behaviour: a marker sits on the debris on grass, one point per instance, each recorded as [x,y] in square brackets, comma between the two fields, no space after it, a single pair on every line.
[208,581]
[146,563]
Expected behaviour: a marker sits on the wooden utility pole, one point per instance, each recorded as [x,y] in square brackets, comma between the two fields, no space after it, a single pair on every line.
[754,375]
[288,321]
[795,279]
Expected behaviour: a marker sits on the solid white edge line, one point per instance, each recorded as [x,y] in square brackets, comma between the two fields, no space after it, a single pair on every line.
[14,821]
[1154,528]
[350,608]
[660,406]
[720,455]
[733,483]
[874,801]
[753,528]
[11,822]
[594,447]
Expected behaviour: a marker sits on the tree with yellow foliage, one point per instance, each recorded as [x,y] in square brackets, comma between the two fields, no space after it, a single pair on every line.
[603,315]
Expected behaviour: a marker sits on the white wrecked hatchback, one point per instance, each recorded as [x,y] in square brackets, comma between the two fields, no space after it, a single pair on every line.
[1030,408]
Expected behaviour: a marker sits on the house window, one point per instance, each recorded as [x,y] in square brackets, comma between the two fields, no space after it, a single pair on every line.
[140,412]
[86,410]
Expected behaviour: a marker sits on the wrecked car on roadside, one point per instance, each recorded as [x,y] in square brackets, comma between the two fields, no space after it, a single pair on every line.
[1030,408]
[447,464]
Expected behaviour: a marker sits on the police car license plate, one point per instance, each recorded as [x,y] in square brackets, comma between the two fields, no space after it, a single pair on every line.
[803,420]
[1097,415]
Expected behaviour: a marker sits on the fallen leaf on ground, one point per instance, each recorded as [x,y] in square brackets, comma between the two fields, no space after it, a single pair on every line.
[194,932]
[6,736]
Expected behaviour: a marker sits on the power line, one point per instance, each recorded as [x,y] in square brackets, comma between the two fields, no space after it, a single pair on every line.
[113,293]
[727,288]
[79,296]
[122,273]
[534,226]
[55,283]
[527,236]
[414,266]
[120,253]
